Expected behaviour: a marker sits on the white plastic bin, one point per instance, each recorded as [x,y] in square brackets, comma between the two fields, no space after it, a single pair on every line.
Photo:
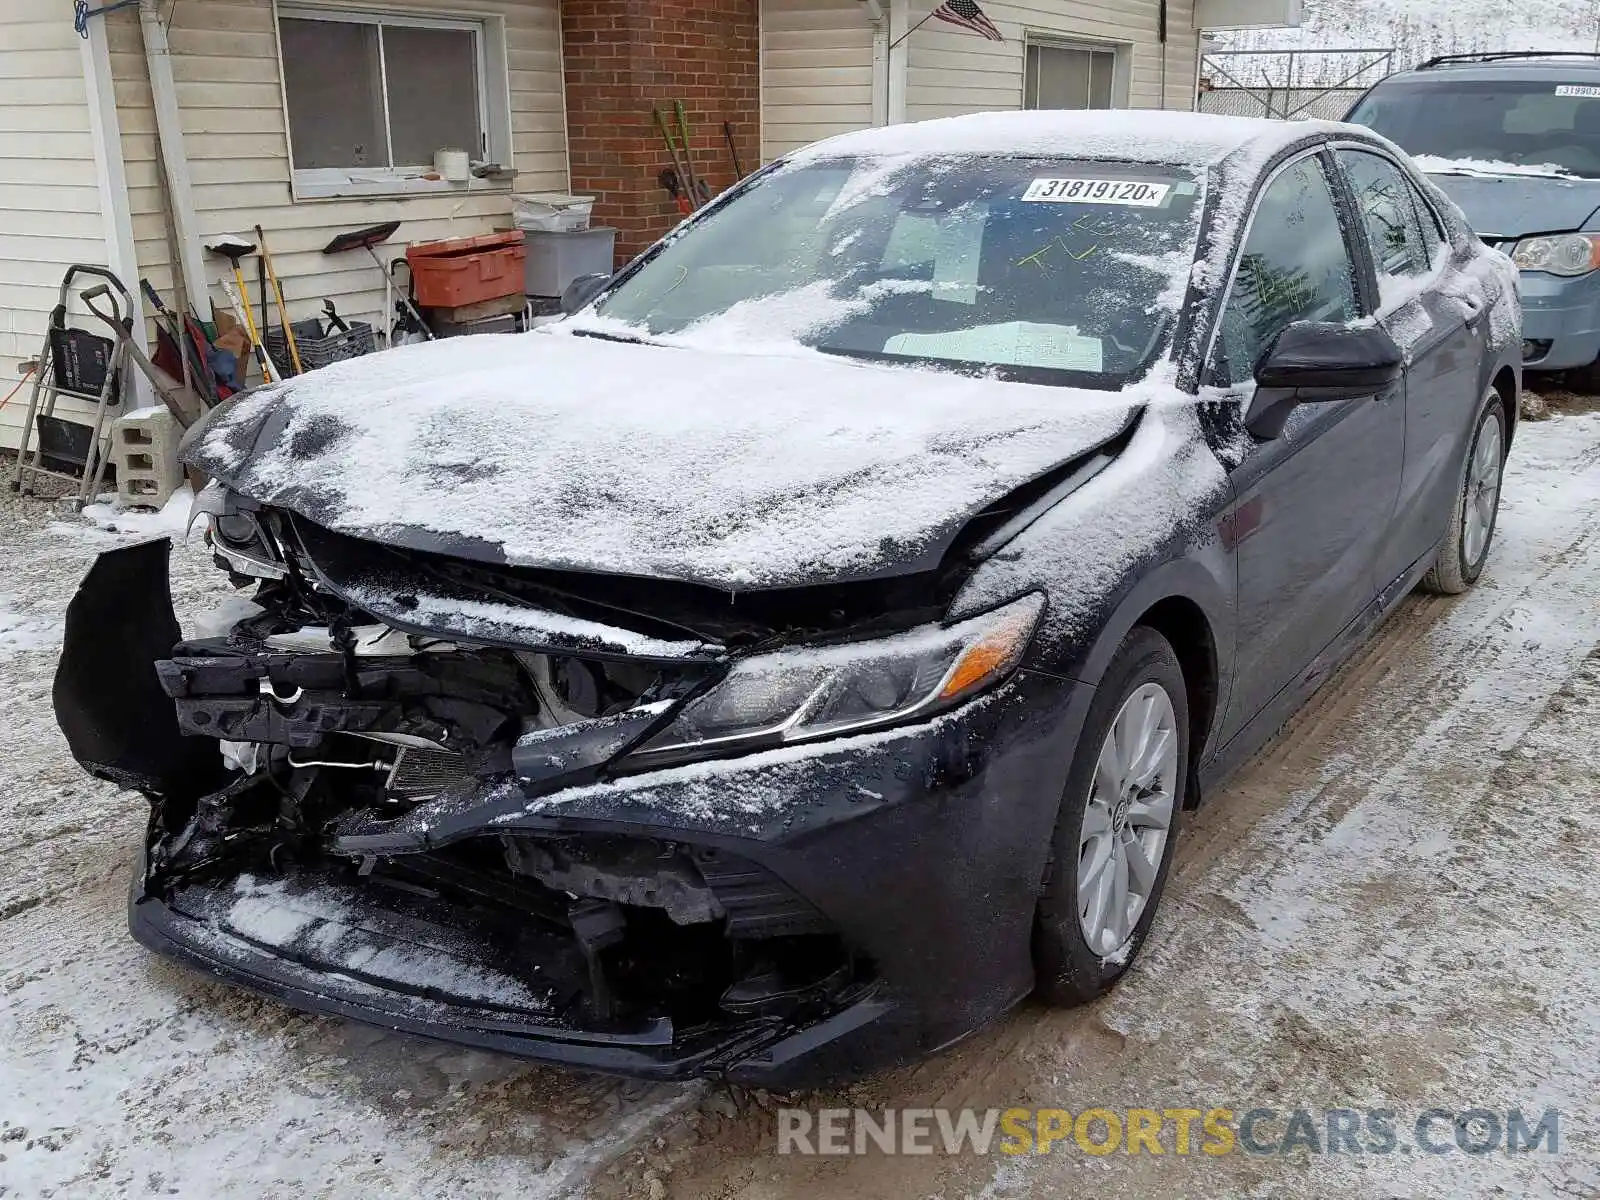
[556,259]
[551,212]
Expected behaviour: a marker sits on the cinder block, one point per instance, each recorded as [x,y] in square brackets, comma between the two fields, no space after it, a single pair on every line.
[144,450]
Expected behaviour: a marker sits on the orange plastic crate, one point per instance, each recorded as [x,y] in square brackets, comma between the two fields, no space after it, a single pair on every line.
[460,271]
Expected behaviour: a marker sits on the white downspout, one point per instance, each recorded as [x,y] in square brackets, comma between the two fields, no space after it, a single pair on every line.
[169,131]
[879,20]
[105,131]
[899,55]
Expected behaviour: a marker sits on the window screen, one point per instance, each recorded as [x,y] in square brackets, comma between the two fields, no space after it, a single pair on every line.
[1069,77]
[364,94]
[433,92]
[334,83]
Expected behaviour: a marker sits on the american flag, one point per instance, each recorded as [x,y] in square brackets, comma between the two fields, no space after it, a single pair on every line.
[968,15]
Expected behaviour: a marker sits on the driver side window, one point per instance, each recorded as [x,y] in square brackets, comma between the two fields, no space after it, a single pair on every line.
[1295,266]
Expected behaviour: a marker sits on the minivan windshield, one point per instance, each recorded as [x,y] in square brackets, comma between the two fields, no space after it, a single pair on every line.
[1525,123]
[1045,270]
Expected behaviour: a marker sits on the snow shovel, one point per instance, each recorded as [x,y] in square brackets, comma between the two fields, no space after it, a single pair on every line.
[366,239]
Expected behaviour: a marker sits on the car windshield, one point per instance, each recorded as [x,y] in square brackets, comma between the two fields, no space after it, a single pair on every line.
[1521,123]
[1044,270]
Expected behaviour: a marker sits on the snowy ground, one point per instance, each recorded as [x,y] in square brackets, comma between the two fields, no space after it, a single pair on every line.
[1392,907]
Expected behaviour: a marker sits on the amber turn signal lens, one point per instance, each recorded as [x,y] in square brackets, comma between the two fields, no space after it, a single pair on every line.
[993,654]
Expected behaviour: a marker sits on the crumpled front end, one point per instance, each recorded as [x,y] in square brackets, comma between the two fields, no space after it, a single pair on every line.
[385,795]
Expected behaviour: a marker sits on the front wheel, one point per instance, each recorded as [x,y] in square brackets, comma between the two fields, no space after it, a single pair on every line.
[1114,835]
[1466,543]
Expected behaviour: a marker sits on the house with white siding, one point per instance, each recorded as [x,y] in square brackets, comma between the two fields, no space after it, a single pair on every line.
[135,136]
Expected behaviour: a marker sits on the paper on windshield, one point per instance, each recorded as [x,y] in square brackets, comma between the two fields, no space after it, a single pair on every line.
[1010,343]
[1132,193]
[1577,89]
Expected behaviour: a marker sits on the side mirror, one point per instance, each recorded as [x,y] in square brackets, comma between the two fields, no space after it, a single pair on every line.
[1313,362]
[581,290]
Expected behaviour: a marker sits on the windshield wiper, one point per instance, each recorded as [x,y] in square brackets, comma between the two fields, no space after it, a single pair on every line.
[604,335]
[1005,372]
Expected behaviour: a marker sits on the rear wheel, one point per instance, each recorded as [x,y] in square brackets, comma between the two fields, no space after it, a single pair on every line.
[1466,543]
[1112,845]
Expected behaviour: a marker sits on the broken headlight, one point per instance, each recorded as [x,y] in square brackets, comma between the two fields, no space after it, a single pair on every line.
[801,695]
[235,534]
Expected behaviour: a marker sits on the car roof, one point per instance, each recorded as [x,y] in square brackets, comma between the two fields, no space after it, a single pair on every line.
[1124,135]
[1509,65]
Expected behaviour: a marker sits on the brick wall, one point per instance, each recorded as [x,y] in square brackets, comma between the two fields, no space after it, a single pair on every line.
[622,57]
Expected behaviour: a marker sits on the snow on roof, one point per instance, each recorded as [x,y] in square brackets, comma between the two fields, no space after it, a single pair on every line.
[1128,135]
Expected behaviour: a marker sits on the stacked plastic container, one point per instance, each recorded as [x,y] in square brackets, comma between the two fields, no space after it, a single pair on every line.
[559,241]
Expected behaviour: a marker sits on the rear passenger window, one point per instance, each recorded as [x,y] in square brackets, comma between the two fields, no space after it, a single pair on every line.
[1295,266]
[1388,213]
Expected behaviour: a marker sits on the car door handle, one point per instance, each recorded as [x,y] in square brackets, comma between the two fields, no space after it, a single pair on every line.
[1474,308]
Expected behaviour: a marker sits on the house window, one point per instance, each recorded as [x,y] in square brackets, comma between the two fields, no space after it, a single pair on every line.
[1063,75]
[371,97]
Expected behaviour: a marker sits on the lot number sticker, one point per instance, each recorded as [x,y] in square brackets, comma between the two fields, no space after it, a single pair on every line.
[1577,89]
[1098,191]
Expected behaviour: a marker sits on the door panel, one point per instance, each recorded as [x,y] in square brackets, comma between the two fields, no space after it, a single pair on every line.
[1314,509]
[1441,393]
[1314,505]
[1441,400]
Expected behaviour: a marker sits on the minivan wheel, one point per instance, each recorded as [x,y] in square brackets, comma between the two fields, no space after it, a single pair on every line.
[1117,824]
[1466,543]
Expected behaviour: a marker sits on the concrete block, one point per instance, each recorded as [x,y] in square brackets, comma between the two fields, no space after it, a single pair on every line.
[144,450]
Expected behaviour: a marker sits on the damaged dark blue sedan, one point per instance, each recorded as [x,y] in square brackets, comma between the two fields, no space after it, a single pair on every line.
[806,650]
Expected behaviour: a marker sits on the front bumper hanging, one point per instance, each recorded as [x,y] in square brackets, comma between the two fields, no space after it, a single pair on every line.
[781,919]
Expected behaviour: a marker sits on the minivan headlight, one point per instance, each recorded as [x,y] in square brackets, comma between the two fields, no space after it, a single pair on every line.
[1558,254]
[803,694]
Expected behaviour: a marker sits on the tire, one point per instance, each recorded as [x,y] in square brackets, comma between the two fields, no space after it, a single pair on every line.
[1462,554]
[1068,969]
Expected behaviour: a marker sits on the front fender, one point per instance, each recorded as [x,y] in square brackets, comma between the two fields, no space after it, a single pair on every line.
[1203,577]
[1149,528]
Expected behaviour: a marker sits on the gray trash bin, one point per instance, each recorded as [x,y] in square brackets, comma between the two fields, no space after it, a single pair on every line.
[556,259]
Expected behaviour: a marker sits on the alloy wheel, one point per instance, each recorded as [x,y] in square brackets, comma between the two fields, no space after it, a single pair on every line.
[1127,818]
[1483,490]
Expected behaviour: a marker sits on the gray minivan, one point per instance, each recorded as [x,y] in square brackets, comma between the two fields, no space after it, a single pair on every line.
[1514,139]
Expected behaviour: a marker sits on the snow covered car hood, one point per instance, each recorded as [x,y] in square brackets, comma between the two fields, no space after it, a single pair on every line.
[733,470]
[1503,206]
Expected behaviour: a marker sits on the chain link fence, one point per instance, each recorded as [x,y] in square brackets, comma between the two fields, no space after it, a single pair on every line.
[1294,84]
[1304,104]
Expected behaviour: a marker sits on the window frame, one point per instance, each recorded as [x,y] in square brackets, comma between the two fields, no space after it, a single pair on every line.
[1421,226]
[1121,65]
[494,102]
[1430,217]
[1366,287]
